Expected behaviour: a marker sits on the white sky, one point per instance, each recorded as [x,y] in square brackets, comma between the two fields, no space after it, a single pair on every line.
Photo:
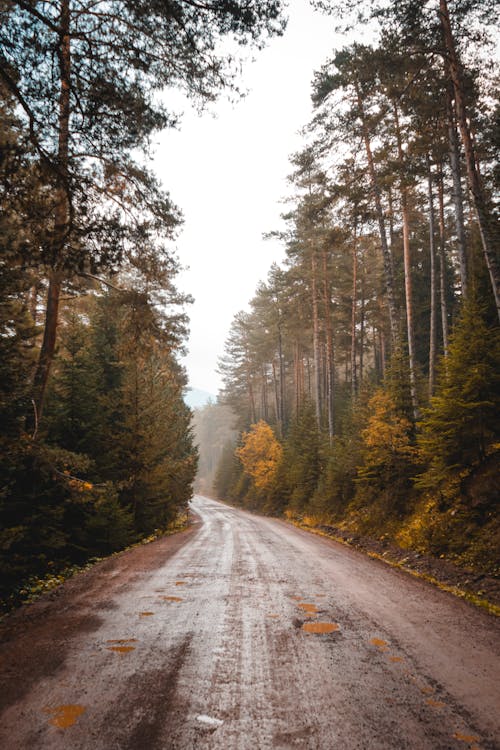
[228,175]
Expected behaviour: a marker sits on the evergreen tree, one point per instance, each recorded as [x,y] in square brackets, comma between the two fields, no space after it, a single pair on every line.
[461,428]
[87,91]
[300,468]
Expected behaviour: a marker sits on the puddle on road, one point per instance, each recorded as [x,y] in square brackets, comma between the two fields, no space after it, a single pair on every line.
[121,641]
[426,690]
[180,583]
[380,644]
[465,737]
[309,608]
[121,649]
[320,627]
[146,614]
[171,598]
[396,658]
[434,703]
[64,716]
[209,721]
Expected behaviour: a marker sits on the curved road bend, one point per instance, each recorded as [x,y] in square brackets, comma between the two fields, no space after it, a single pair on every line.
[257,635]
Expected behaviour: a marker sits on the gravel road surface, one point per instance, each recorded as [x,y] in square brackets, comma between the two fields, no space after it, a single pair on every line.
[246,633]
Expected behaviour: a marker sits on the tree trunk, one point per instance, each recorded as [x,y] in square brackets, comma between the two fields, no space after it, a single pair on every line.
[297,376]
[316,351]
[330,362]
[362,329]
[282,397]
[407,269]
[263,396]
[251,401]
[386,254]
[61,228]
[442,264]
[458,200]
[276,400]
[432,258]
[354,378]
[486,220]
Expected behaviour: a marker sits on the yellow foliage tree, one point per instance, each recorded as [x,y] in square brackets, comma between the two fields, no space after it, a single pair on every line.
[260,454]
[387,436]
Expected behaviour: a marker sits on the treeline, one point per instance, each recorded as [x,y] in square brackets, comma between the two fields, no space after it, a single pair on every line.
[366,373]
[96,448]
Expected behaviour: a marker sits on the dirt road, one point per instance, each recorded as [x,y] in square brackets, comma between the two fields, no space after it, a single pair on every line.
[248,633]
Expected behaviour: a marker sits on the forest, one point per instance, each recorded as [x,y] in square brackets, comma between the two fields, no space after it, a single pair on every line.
[96,448]
[364,375]
[361,386]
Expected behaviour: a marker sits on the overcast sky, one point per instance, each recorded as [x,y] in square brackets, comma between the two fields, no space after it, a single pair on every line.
[228,175]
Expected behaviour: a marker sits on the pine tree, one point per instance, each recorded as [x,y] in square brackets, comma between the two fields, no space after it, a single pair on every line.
[300,468]
[460,428]
[87,93]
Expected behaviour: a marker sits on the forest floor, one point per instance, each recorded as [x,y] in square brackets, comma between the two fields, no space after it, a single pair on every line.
[480,589]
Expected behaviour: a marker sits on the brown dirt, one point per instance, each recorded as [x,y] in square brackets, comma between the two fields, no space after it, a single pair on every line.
[444,572]
[56,618]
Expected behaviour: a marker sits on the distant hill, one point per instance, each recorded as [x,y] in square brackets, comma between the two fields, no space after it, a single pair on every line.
[196,398]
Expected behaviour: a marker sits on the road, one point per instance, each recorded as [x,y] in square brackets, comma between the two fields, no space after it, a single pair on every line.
[249,633]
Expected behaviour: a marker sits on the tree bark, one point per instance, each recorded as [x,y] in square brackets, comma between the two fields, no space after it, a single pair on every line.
[442,264]
[316,348]
[487,223]
[251,401]
[407,268]
[362,330]
[263,397]
[297,376]
[458,200]
[354,378]
[330,361]
[432,259]
[276,400]
[61,225]
[282,397]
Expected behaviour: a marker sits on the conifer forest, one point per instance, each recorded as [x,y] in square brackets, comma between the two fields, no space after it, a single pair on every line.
[361,385]
[365,375]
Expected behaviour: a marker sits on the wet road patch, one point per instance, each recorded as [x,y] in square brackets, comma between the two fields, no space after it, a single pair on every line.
[121,641]
[434,703]
[171,598]
[121,645]
[469,738]
[146,614]
[311,609]
[210,722]
[380,644]
[320,627]
[64,716]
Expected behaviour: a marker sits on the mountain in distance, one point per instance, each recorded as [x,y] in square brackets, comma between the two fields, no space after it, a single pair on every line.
[195,398]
